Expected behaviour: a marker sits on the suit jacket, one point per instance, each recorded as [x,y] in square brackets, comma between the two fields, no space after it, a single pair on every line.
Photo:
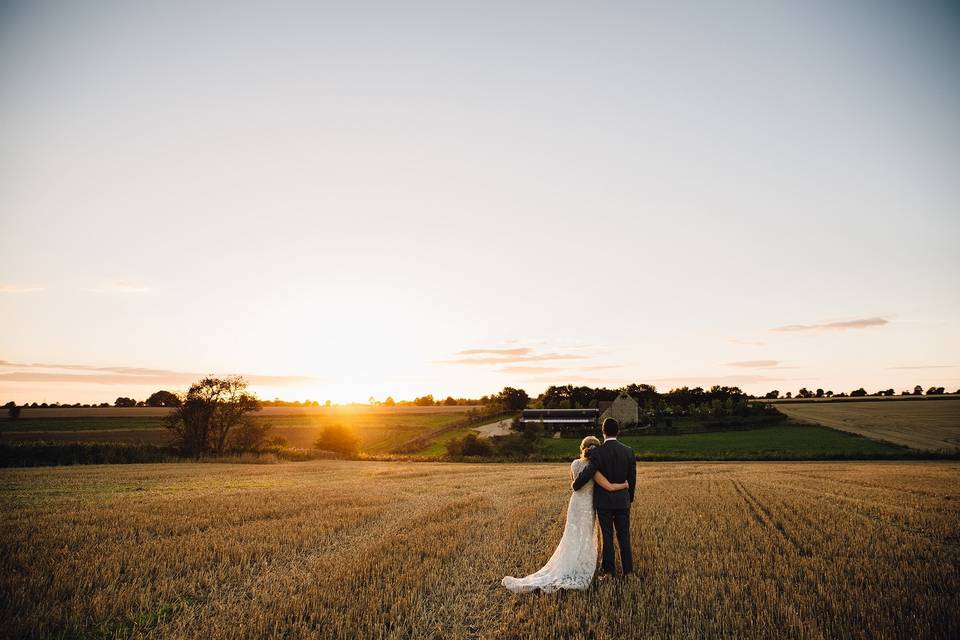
[617,462]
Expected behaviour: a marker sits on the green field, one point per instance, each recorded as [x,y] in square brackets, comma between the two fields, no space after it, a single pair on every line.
[783,441]
[438,446]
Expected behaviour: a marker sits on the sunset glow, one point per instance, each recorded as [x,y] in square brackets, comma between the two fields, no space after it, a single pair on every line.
[450,200]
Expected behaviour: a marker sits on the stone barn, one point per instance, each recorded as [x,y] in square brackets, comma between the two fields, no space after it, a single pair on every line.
[624,409]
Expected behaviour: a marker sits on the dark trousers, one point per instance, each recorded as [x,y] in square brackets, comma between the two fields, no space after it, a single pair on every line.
[619,520]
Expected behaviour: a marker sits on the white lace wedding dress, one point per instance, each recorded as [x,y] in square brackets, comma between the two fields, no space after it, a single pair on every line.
[574,562]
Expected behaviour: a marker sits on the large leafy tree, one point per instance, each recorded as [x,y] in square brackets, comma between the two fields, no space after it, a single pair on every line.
[514,399]
[211,409]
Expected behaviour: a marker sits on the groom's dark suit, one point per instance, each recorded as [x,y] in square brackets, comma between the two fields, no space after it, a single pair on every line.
[617,462]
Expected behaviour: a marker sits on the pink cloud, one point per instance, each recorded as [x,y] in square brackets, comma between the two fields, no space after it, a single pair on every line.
[518,351]
[753,364]
[12,288]
[80,373]
[843,325]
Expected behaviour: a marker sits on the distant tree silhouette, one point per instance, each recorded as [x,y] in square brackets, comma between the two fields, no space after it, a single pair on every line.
[642,393]
[163,399]
[13,411]
[935,391]
[789,395]
[829,394]
[819,393]
[450,402]
[390,402]
[513,399]
[918,390]
[772,395]
[424,401]
[124,402]
[804,393]
[858,393]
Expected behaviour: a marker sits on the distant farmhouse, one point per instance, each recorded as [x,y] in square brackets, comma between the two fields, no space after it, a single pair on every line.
[624,408]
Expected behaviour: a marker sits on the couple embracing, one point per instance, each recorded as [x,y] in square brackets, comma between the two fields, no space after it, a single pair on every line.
[604,483]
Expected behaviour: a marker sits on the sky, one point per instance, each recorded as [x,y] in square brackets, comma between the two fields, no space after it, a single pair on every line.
[345,200]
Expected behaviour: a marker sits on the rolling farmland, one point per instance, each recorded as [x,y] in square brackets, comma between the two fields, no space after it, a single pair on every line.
[929,425]
[380,429]
[350,549]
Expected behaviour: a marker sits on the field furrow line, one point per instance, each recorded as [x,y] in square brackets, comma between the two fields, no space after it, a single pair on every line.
[764,517]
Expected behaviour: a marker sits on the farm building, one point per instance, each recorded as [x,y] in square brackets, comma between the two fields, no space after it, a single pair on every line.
[564,421]
[624,409]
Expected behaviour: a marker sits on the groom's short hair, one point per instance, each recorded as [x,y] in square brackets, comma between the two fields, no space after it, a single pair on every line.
[610,427]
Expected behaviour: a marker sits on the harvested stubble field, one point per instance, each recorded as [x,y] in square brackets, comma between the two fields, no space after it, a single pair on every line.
[926,424]
[393,550]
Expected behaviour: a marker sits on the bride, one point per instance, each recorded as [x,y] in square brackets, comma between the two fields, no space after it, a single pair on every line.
[573,563]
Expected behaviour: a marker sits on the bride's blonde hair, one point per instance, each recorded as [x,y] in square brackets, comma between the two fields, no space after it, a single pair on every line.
[586,443]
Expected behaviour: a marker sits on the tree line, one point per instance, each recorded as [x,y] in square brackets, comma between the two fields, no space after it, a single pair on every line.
[717,400]
[858,393]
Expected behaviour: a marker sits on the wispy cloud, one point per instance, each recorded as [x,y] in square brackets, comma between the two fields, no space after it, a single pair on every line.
[750,343]
[536,357]
[27,372]
[518,351]
[120,286]
[843,325]
[85,367]
[543,357]
[926,366]
[13,288]
[753,364]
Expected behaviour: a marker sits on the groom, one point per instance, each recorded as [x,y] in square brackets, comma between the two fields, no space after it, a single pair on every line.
[617,462]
